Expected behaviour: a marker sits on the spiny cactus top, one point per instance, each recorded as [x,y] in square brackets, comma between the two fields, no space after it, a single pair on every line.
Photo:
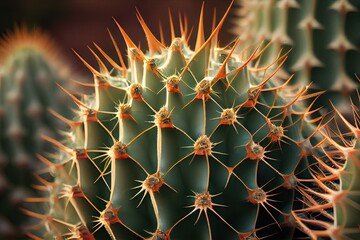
[30,66]
[322,36]
[191,144]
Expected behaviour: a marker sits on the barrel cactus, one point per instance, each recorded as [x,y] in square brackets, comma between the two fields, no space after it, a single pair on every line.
[190,144]
[30,66]
[321,35]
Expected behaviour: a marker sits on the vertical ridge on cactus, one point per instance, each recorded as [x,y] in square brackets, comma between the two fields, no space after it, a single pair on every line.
[195,144]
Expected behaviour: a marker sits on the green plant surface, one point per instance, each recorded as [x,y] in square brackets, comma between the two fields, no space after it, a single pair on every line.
[189,143]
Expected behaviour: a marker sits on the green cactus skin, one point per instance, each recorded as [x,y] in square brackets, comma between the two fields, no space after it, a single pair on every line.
[189,144]
[30,66]
[322,36]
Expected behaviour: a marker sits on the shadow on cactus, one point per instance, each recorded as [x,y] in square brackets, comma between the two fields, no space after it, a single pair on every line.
[189,143]
[30,67]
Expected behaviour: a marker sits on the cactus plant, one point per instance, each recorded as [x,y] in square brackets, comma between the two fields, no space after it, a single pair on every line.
[191,144]
[30,66]
[324,44]
[344,193]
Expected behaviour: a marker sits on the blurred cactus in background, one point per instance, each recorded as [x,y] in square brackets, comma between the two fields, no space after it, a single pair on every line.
[30,67]
[323,37]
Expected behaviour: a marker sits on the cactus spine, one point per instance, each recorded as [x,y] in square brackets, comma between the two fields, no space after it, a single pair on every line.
[184,136]
[343,194]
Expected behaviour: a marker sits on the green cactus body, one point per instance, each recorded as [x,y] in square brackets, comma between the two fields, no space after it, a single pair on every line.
[28,73]
[321,35]
[186,144]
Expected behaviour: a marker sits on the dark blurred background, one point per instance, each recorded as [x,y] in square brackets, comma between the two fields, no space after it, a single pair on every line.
[76,24]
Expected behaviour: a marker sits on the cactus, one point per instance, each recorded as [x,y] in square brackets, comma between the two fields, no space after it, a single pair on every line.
[324,44]
[30,66]
[344,193]
[190,144]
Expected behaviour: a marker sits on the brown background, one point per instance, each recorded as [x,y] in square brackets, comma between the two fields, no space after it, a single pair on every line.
[74,24]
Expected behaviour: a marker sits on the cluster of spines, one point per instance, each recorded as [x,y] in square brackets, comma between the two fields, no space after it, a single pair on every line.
[338,179]
[200,100]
